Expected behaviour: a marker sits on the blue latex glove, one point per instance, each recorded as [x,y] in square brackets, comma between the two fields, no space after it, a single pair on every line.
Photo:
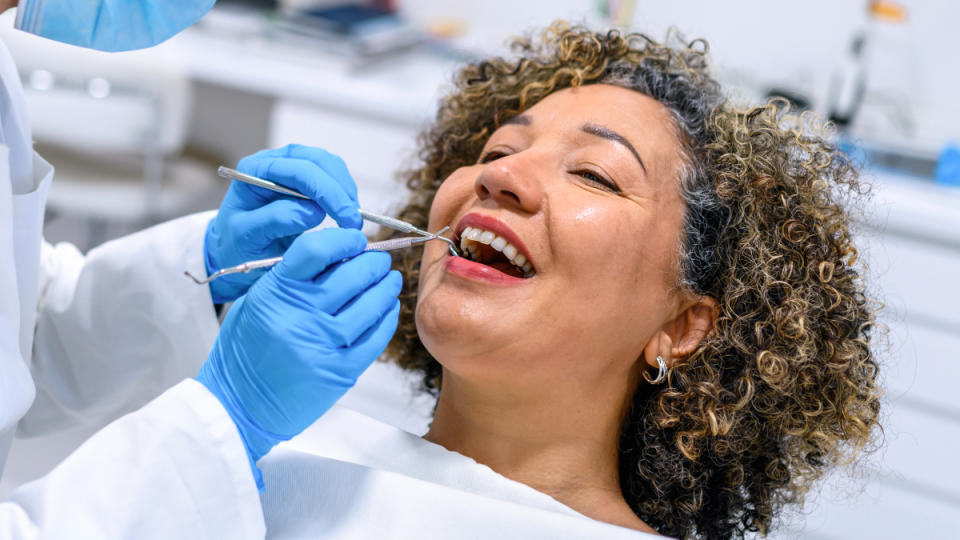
[256,223]
[302,335]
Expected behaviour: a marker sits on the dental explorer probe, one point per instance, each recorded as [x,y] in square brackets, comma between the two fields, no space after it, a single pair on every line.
[386,221]
[385,245]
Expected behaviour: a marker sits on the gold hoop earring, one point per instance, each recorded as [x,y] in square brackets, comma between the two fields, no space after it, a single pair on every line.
[661,372]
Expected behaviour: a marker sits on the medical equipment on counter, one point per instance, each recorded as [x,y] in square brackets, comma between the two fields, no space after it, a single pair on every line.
[947,172]
[879,69]
[389,222]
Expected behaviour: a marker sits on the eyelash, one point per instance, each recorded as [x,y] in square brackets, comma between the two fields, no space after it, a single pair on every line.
[485,158]
[583,173]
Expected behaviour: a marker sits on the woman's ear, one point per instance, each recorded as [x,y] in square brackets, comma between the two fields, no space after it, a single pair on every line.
[681,336]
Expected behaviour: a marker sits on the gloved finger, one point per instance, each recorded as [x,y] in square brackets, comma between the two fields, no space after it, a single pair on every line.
[311,180]
[371,344]
[365,309]
[244,165]
[286,242]
[326,160]
[278,219]
[342,282]
[310,254]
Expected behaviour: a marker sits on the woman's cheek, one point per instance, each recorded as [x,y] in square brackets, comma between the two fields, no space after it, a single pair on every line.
[599,237]
[453,194]
[585,216]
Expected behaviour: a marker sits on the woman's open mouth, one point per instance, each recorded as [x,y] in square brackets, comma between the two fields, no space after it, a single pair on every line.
[485,247]
[490,250]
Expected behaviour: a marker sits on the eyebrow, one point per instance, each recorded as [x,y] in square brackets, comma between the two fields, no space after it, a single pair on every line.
[609,134]
[592,129]
[520,119]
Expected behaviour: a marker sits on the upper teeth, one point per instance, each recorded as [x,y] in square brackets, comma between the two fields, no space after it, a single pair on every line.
[498,243]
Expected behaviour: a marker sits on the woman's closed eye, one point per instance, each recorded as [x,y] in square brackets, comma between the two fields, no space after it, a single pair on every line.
[491,156]
[590,176]
[597,179]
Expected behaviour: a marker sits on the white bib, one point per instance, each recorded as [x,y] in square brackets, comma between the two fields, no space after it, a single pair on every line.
[349,477]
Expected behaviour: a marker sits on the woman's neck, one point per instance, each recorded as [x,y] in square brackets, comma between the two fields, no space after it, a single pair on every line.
[560,444]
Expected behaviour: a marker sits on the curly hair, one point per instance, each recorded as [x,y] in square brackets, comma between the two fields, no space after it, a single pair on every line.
[785,386]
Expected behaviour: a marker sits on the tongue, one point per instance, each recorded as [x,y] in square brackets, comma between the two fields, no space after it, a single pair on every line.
[506,268]
[494,259]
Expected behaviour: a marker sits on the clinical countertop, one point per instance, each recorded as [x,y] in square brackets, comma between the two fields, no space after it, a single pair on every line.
[402,88]
[914,207]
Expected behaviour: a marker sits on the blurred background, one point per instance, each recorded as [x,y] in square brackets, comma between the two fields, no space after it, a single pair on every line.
[136,139]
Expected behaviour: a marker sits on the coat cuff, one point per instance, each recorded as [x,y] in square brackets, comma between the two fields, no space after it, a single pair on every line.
[222,458]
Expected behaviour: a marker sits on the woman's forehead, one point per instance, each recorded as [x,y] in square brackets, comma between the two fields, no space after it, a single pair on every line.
[623,108]
[640,120]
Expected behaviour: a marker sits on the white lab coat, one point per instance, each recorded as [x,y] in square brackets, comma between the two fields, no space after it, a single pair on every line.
[85,339]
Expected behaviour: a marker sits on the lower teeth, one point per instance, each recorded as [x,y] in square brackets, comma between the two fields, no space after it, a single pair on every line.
[470,255]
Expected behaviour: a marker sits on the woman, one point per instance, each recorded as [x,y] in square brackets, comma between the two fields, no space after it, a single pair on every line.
[664,226]
[658,320]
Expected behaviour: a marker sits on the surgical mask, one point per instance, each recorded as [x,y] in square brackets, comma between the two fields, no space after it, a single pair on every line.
[109,25]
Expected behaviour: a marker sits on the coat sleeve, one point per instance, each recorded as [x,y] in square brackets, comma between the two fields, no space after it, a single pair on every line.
[173,469]
[118,326]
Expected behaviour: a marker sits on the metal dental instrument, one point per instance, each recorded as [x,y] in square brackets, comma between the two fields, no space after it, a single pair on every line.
[389,222]
[233,174]
[238,269]
[385,245]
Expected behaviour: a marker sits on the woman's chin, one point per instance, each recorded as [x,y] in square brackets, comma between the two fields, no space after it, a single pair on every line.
[461,329]
[445,325]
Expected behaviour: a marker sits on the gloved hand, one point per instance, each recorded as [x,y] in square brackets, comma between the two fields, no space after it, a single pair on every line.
[256,223]
[302,335]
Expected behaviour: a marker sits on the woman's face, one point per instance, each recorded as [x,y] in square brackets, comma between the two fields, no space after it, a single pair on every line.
[585,186]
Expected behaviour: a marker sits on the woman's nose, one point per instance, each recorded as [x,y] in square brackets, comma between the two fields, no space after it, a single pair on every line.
[511,182]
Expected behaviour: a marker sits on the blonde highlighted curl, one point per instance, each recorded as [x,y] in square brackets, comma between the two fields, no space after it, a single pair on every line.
[786,385]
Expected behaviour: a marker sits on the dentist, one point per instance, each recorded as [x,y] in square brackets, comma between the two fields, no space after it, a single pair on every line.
[84,338]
